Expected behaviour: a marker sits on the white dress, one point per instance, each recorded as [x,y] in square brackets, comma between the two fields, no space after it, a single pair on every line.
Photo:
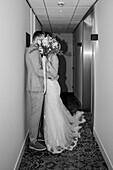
[60,127]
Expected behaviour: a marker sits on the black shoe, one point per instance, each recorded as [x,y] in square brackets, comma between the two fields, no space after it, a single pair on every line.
[37,146]
[41,141]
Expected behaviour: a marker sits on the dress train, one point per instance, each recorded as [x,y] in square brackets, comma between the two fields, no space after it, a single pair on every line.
[61,129]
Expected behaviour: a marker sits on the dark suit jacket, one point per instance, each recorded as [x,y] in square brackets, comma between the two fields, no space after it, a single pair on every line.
[35,80]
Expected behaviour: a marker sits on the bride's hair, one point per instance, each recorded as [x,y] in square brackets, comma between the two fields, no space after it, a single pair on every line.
[48,33]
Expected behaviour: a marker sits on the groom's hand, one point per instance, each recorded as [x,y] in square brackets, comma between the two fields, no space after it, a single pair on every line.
[49,76]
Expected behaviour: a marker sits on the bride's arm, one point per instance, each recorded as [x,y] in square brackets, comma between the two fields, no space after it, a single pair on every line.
[52,66]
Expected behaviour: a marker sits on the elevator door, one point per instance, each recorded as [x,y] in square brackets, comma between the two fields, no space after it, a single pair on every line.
[87,65]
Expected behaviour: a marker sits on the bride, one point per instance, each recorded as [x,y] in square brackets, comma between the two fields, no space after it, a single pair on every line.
[61,129]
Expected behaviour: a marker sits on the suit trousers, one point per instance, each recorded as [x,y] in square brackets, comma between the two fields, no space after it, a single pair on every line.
[36,110]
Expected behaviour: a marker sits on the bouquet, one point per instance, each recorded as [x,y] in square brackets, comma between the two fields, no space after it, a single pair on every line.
[49,45]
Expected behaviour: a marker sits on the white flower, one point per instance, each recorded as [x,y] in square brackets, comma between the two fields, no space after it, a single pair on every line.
[45,42]
[39,42]
[55,44]
[42,37]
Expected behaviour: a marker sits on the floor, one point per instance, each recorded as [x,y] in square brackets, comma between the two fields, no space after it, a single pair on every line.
[85,156]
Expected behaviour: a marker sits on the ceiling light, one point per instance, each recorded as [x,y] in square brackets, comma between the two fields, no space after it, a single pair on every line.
[61,3]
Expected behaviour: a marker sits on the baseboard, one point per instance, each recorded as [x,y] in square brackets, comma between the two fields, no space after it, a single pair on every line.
[17,164]
[103,151]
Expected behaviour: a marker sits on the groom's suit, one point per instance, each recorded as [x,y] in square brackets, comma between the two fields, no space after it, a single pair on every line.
[35,86]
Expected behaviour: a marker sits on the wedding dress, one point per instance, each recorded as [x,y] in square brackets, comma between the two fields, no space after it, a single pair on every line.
[61,129]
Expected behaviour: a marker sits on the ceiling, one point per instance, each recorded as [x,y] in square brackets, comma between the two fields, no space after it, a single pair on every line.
[57,19]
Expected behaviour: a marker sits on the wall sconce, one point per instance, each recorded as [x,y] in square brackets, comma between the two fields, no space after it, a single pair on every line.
[94,37]
[79,44]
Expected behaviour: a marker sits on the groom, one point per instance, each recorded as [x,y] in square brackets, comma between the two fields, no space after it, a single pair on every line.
[35,87]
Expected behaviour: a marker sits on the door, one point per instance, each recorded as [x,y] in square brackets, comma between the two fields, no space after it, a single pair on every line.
[87,65]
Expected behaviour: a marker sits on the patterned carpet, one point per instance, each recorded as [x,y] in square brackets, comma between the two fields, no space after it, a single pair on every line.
[85,156]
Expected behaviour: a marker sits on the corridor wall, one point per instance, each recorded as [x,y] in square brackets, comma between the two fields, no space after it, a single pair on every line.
[103,109]
[14,19]
[15,23]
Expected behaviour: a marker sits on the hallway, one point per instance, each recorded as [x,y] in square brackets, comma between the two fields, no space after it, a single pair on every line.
[85,156]
[18,23]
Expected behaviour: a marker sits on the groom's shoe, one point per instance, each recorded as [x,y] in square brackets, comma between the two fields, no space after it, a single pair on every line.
[37,146]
